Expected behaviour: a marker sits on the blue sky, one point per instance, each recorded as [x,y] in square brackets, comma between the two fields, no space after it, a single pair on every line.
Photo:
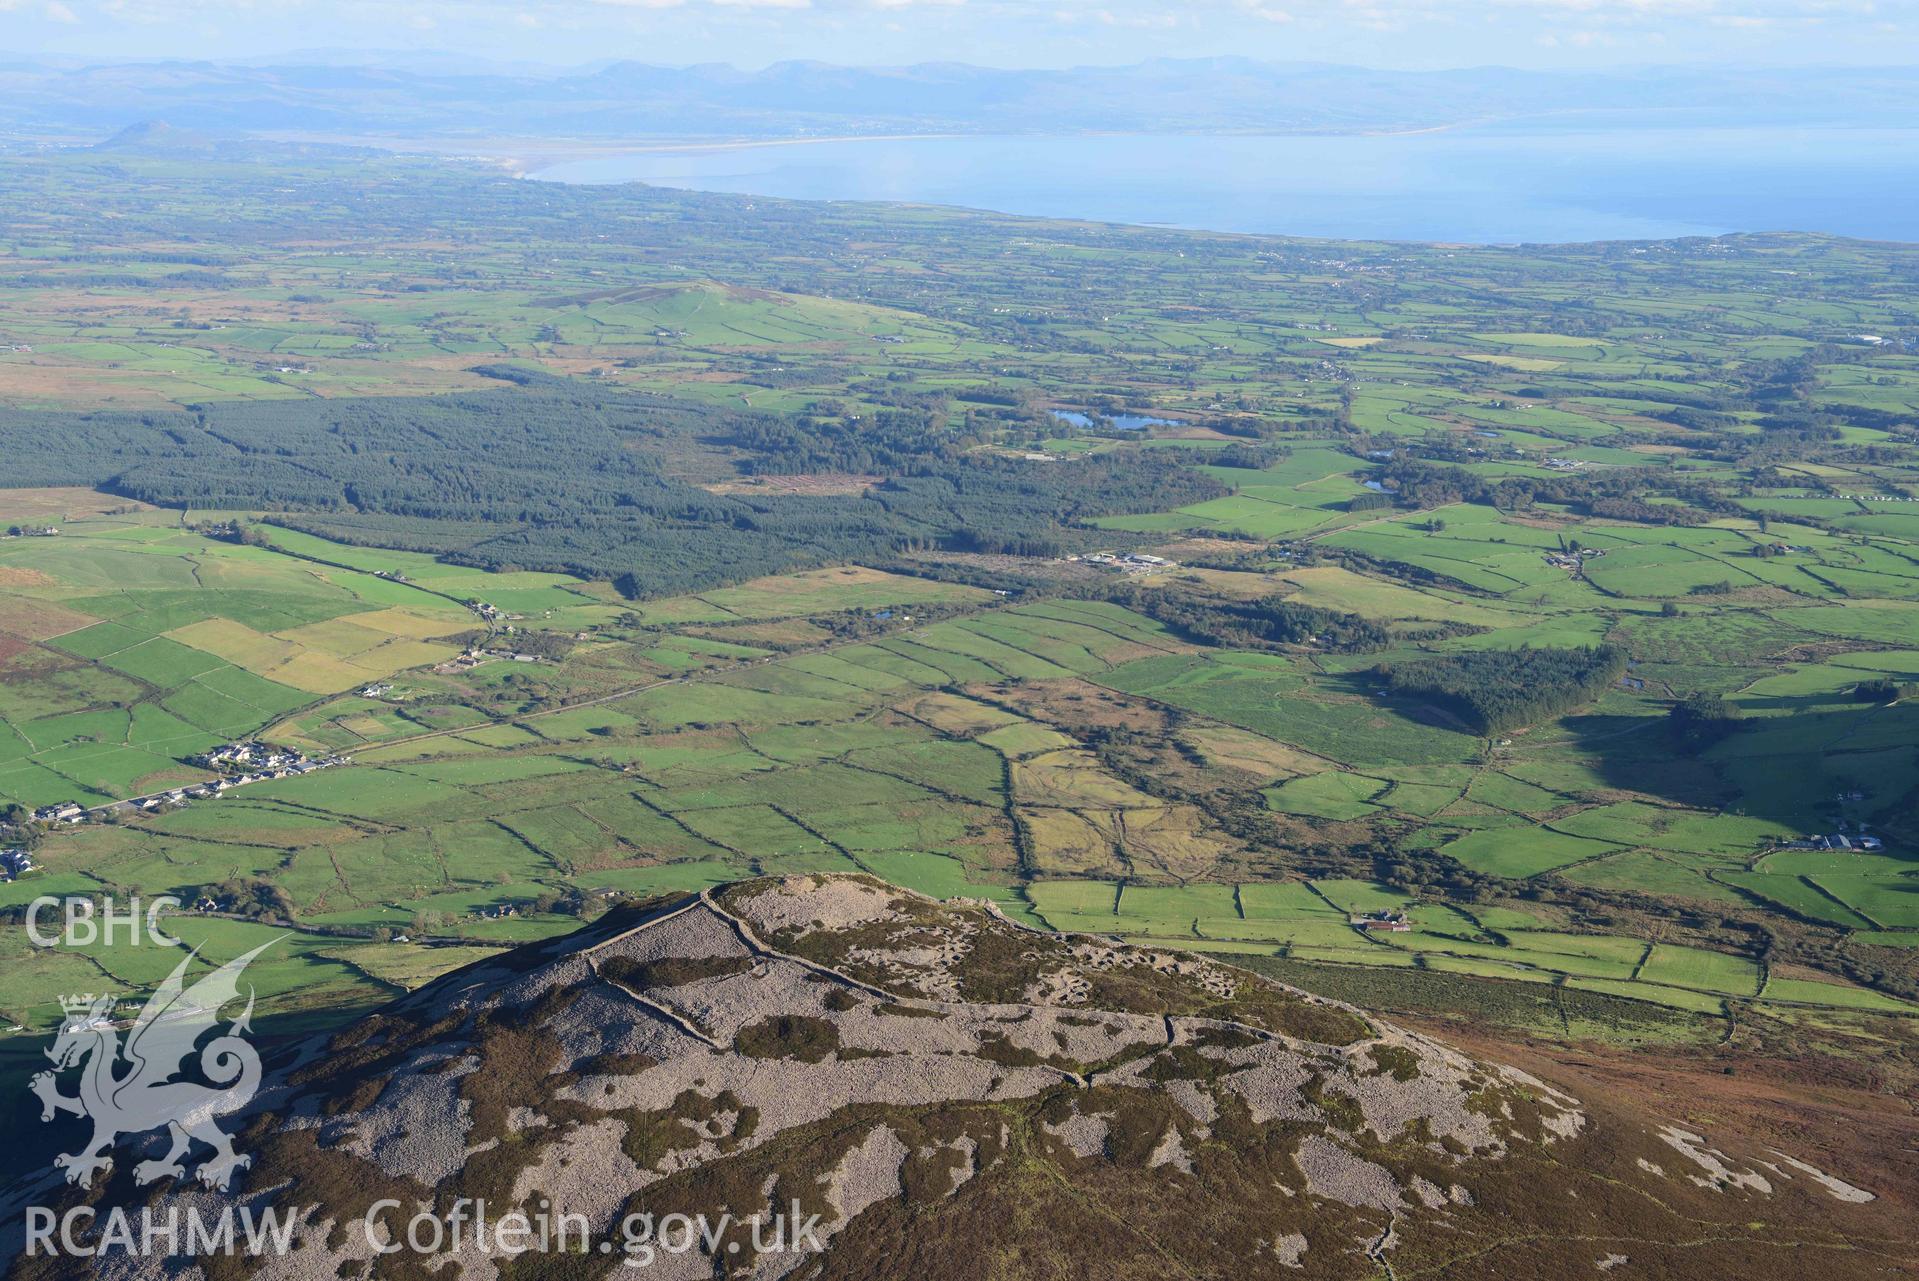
[1384,33]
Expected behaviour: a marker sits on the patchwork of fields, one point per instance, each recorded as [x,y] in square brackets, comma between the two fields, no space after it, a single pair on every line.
[850,757]
[1683,452]
[130,643]
[1312,921]
[954,742]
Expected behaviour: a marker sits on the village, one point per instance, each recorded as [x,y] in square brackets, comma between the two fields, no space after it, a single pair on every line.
[251,762]
[248,761]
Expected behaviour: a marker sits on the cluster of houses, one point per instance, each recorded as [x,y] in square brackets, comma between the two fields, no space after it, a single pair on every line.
[247,762]
[250,754]
[1880,498]
[1382,921]
[33,531]
[1565,464]
[491,613]
[1131,562]
[15,863]
[1574,559]
[243,762]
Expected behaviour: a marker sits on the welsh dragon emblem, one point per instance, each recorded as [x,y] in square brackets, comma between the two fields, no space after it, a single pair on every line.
[128,1089]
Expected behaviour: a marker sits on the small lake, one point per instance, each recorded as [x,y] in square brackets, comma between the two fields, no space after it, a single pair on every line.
[1472,185]
[1118,422]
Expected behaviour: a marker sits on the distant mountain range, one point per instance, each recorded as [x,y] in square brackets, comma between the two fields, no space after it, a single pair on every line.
[435,98]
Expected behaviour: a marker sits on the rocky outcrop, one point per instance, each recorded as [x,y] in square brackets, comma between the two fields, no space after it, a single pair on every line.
[915,1080]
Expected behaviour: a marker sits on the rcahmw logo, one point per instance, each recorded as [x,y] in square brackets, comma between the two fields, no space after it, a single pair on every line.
[140,1085]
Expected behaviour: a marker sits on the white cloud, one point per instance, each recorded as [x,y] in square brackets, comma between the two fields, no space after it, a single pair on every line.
[1263,11]
[57,11]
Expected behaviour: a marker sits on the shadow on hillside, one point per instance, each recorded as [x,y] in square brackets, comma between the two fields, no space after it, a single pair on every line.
[1800,704]
[1788,768]
[1637,754]
[28,1145]
[1419,711]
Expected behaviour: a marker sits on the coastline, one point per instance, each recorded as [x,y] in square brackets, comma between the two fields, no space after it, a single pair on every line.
[523,156]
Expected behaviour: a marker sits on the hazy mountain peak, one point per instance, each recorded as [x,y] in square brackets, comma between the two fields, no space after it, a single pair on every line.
[154,135]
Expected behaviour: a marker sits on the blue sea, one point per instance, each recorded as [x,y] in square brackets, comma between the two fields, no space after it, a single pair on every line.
[1480,185]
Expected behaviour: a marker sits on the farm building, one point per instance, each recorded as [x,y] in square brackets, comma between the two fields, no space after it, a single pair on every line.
[1837,841]
[1390,922]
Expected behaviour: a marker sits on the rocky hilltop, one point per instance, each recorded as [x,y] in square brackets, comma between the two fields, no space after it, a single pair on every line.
[938,1091]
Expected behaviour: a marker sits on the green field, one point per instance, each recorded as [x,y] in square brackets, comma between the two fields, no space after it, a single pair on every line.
[611,771]
[771,556]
